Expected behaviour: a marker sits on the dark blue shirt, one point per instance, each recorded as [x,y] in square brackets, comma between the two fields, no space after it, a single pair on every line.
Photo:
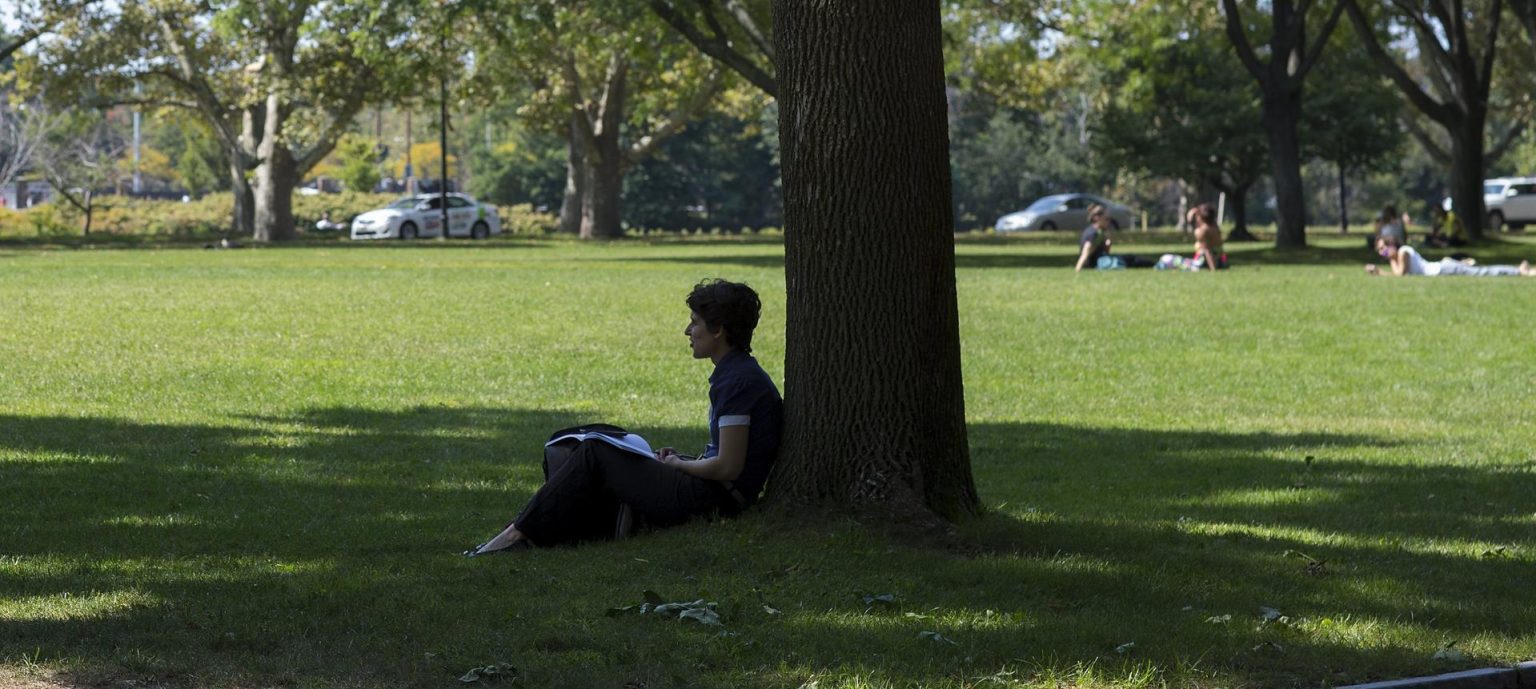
[742,394]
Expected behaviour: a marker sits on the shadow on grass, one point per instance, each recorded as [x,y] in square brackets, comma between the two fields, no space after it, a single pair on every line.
[323,544]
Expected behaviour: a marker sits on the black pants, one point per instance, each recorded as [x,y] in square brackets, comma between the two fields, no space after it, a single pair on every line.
[581,497]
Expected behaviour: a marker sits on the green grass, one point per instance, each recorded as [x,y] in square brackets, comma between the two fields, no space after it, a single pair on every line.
[256,468]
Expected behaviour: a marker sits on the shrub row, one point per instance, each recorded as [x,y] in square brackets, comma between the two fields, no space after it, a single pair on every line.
[210,216]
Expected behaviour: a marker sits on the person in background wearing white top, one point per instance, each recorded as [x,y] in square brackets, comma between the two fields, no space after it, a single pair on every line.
[1404,260]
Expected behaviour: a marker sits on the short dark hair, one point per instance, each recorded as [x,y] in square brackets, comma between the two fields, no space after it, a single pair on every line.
[730,305]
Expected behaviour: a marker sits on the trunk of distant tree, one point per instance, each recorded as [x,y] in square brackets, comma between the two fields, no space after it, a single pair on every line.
[1282,112]
[1461,104]
[275,180]
[1343,201]
[244,217]
[875,405]
[88,209]
[602,155]
[1467,176]
[575,185]
[276,177]
[601,212]
[1281,72]
[1237,202]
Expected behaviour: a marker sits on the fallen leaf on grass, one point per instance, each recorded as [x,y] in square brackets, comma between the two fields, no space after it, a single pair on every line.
[1218,619]
[1125,647]
[937,638]
[882,599]
[492,672]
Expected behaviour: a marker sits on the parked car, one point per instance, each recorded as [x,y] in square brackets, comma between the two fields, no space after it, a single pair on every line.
[1509,200]
[422,216]
[1062,212]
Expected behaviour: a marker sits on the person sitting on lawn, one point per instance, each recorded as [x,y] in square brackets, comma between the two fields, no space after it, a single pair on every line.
[1208,252]
[1096,245]
[580,497]
[1445,229]
[1404,260]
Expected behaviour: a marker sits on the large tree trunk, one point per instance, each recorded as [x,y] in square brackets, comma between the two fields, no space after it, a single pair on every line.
[1282,112]
[275,180]
[603,158]
[875,405]
[1467,175]
[276,176]
[601,213]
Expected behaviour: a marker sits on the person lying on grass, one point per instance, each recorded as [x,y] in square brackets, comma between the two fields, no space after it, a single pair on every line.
[1404,260]
[581,497]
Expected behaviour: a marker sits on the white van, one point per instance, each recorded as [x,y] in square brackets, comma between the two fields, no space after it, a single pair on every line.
[1511,201]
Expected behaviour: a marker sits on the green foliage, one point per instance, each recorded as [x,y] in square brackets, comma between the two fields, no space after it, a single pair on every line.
[718,173]
[1002,163]
[1179,103]
[1352,113]
[255,468]
[530,169]
[359,163]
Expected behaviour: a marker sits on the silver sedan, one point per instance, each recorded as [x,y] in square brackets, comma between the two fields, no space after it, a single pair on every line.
[1062,212]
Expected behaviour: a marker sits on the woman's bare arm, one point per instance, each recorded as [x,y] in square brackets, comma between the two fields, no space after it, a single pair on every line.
[725,466]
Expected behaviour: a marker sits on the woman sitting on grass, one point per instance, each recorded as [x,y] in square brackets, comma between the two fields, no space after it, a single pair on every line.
[579,500]
[1209,254]
[1404,260]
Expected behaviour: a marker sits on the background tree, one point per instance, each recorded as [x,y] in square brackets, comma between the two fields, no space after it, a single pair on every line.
[1458,41]
[1177,104]
[1280,73]
[80,157]
[736,33]
[607,76]
[1352,118]
[359,169]
[276,81]
[24,127]
[875,409]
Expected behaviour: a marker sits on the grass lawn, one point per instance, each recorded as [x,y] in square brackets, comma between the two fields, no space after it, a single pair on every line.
[257,468]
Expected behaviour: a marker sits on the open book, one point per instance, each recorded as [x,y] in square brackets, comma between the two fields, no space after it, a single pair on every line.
[629,442]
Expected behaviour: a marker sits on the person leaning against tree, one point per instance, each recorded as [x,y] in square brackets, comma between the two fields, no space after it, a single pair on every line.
[745,424]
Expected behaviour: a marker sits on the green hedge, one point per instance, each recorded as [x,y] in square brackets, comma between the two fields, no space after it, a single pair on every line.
[210,216]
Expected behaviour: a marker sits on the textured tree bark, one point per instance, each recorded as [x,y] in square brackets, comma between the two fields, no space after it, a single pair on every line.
[575,185]
[276,177]
[1467,174]
[244,219]
[275,180]
[601,208]
[1281,115]
[875,405]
